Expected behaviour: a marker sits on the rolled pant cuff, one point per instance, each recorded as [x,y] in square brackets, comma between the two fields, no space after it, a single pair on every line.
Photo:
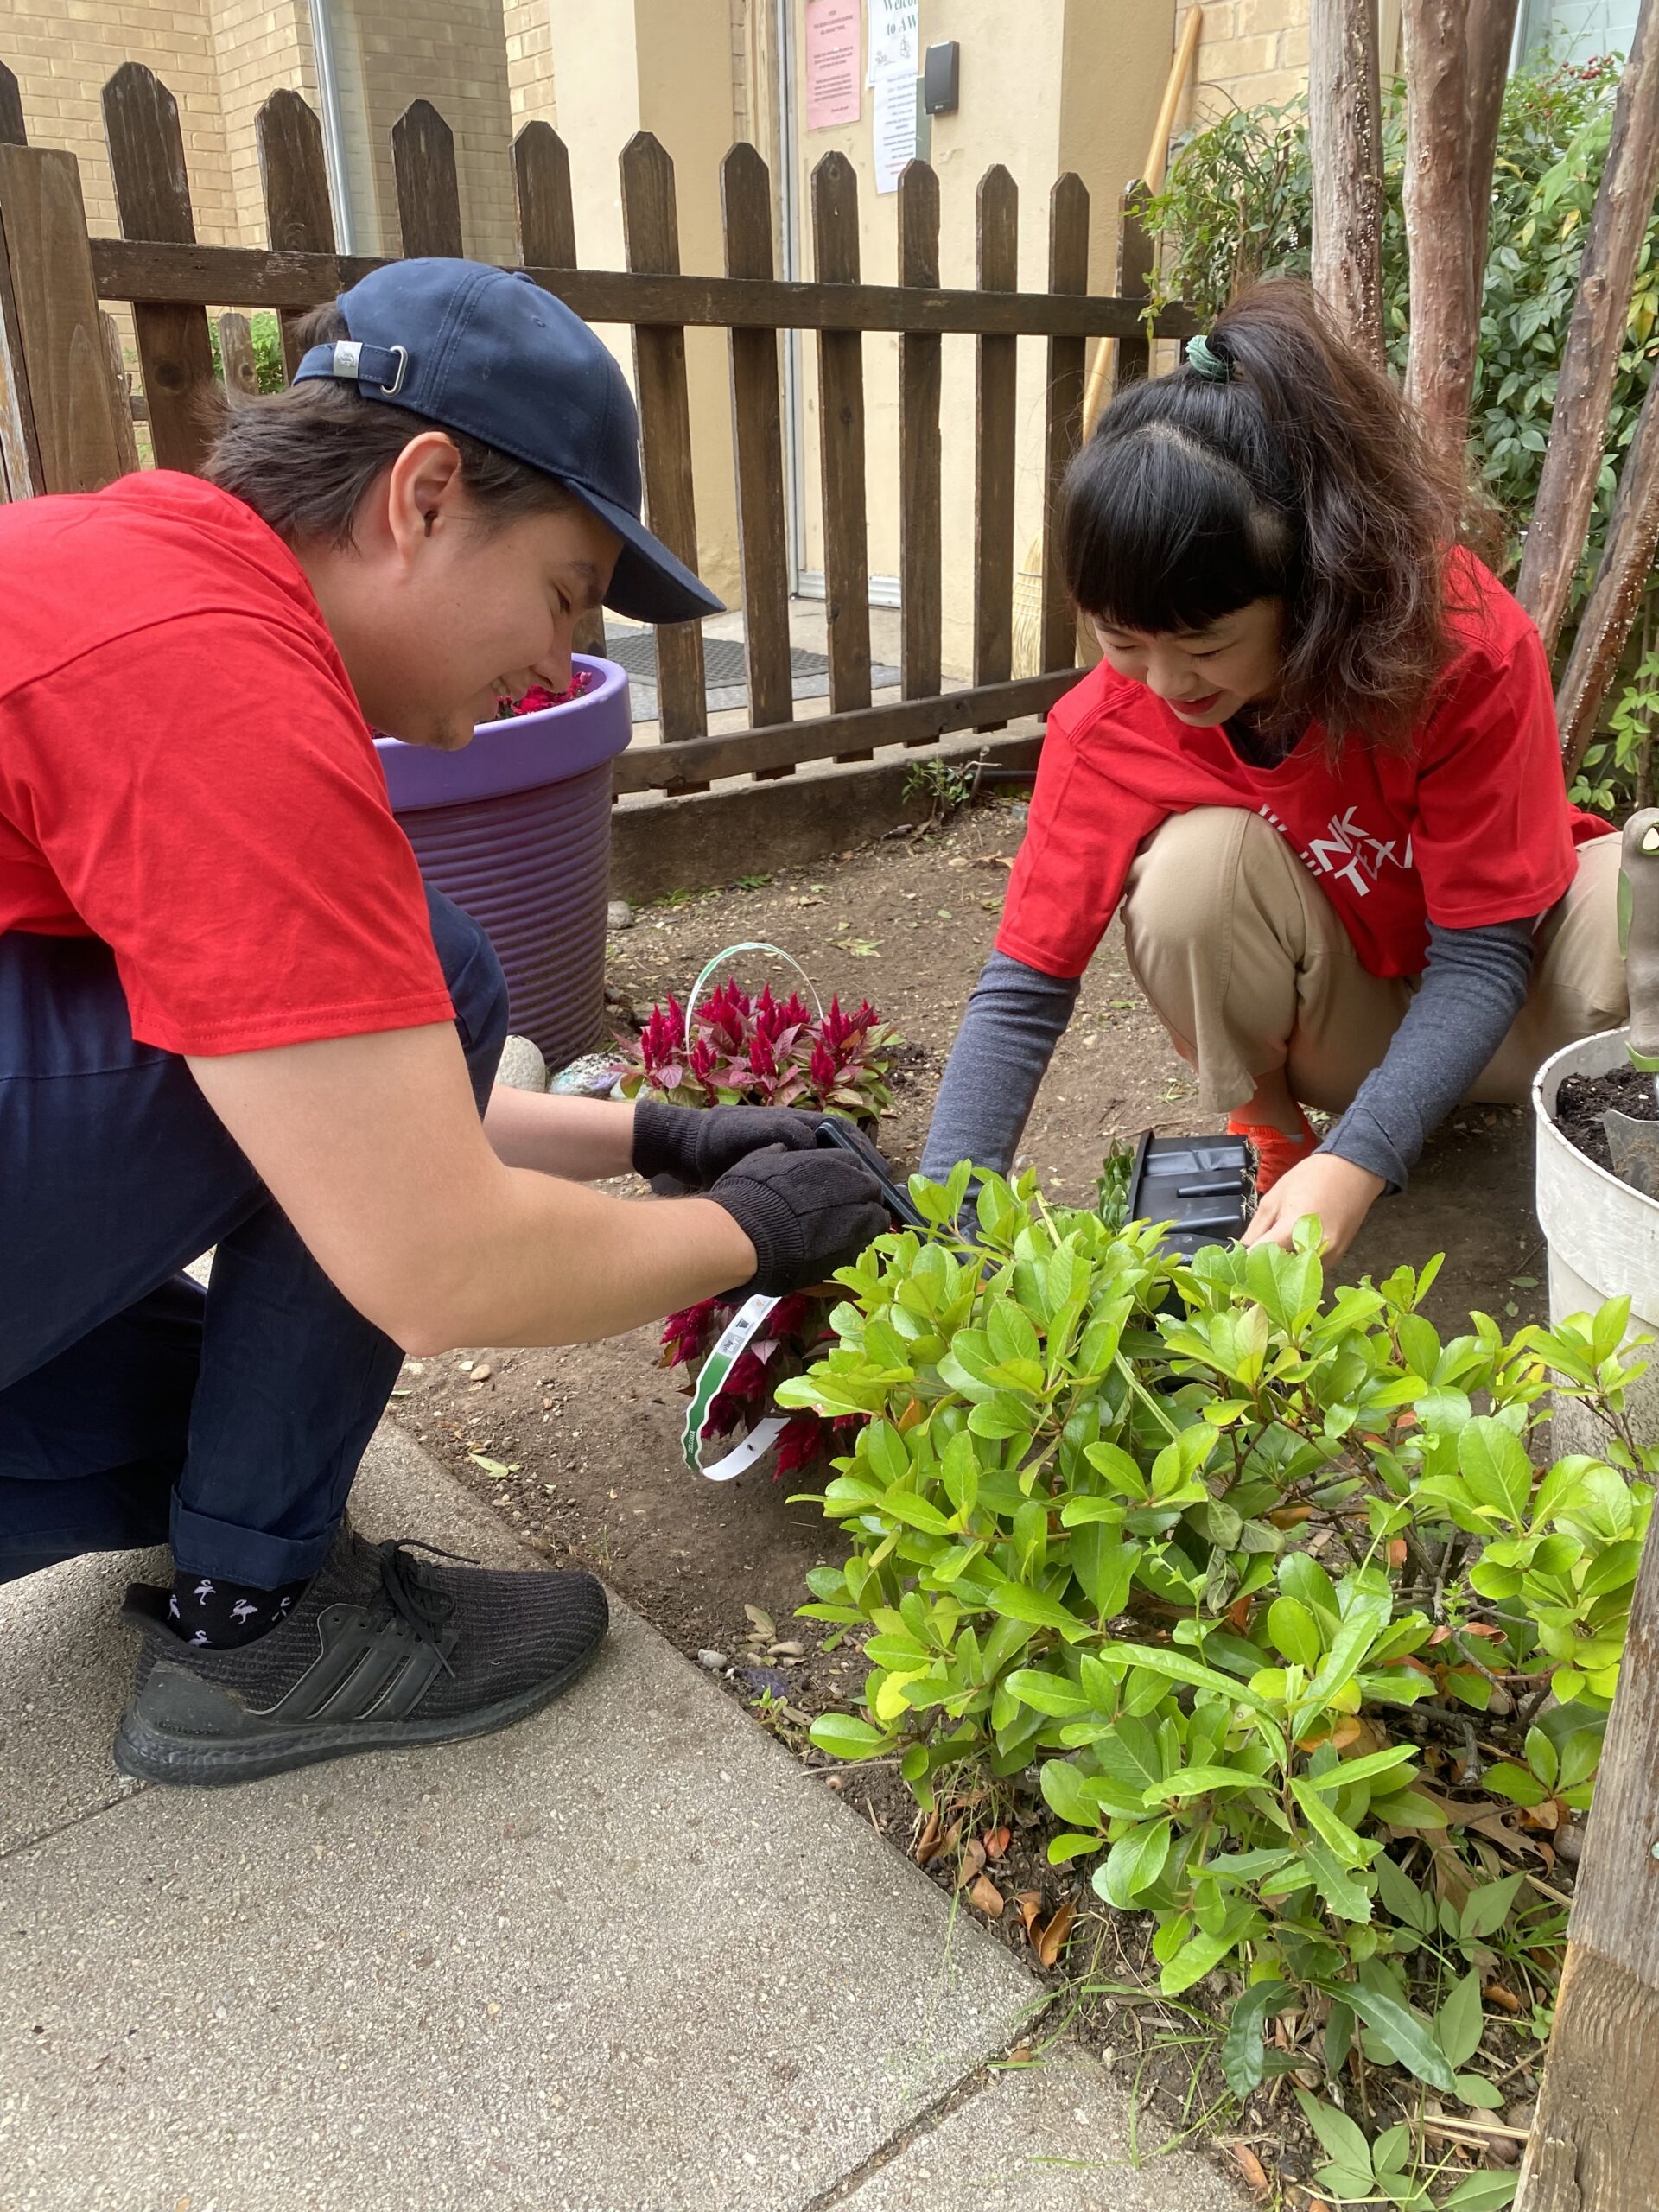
[202,1545]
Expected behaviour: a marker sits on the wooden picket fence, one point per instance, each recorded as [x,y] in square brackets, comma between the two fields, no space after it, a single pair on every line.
[66,422]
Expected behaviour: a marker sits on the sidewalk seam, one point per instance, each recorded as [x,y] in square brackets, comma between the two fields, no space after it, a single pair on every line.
[921,2124]
[75,1820]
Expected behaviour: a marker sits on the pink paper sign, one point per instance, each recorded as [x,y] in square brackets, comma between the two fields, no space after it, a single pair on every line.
[834,90]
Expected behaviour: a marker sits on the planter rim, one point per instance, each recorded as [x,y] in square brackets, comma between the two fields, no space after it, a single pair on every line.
[1582,1057]
[519,754]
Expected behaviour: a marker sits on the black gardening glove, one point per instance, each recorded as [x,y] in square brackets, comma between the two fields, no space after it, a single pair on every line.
[691,1147]
[806,1214]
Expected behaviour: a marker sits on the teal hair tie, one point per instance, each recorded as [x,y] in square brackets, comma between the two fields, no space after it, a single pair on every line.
[1202,356]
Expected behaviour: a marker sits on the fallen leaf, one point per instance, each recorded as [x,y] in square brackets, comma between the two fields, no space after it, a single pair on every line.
[1440,1635]
[1495,1993]
[1289,1516]
[973,1860]
[927,1844]
[492,1467]
[1029,1904]
[996,1842]
[1348,1731]
[763,1622]
[1239,1613]
[984,1896]
[1254,2173]
[1051,1940]
[1020,2056]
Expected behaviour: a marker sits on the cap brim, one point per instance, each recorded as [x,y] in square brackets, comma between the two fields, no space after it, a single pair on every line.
[648,584]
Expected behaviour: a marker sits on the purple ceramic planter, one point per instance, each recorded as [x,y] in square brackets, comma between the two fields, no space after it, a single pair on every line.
[516,828]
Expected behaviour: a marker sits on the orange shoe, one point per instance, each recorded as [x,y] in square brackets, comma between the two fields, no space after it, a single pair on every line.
[1275,1149]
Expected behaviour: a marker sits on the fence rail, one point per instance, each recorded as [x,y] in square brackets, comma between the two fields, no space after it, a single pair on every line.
[66,418]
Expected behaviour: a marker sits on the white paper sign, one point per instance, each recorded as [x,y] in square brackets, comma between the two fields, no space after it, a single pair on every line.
[895,44]
[894,128]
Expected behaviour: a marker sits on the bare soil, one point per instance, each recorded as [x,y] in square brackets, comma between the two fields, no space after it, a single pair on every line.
[590,1435]
[584,1449]
[1583,1099]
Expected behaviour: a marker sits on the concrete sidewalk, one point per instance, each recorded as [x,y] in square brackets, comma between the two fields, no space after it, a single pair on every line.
[623,1958]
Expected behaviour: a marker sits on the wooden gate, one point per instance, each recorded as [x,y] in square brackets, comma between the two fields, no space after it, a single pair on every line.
[65,420]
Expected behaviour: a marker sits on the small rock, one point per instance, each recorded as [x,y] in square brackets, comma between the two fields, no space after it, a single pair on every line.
[482,1371]
[1523,2115]
[716,1662]
[522,1065]
[1568,1842]
[619,915]
[1505,2150]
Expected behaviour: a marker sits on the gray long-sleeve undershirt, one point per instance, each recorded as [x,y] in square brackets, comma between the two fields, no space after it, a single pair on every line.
[1473,985]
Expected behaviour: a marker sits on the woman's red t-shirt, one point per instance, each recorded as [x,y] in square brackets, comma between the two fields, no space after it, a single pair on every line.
[184,772]
[1472,826]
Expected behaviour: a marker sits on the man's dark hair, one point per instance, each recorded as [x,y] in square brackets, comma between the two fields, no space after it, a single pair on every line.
[1302,477]
[303,459]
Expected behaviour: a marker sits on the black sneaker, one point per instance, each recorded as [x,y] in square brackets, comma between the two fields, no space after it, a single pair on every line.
[382,1651]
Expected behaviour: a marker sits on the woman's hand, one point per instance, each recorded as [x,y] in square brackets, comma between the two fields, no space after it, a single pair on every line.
[1340,1193]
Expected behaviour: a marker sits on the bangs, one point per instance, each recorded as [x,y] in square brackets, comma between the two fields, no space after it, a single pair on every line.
[1160,533]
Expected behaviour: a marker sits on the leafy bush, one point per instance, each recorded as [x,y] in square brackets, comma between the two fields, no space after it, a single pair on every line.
[1241,1568]
[1239,205]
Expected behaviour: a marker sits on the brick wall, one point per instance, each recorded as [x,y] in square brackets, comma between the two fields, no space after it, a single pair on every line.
[263,45]
[65,51]
[1251,51]
[454,54]
[529,27]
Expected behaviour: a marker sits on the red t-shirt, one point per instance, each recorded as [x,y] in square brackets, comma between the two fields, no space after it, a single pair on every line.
[1472,826]
[184,772]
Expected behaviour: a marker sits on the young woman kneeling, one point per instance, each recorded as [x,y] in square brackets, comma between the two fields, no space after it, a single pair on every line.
[1318,768]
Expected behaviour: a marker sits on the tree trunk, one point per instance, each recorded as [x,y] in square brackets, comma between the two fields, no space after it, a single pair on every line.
[1491,37]
[1440,369]
[1567,489]
[1344,146]
[1626,565]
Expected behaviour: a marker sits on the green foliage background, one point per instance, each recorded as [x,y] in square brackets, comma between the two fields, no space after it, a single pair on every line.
[1239,205]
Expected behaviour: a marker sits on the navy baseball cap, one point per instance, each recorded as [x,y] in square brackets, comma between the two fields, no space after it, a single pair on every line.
[487,352]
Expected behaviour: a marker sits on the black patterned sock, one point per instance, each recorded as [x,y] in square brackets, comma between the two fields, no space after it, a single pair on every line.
[204,1609]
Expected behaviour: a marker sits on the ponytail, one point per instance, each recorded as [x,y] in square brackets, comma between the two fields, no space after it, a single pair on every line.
[1275,464]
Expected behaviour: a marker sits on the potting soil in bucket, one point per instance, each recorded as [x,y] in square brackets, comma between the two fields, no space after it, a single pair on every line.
[516,828]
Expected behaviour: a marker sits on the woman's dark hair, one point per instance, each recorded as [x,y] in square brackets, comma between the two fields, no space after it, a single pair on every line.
[303,459]
[1302,476]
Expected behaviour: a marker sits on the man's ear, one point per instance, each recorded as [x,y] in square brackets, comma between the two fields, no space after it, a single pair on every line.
[423,489]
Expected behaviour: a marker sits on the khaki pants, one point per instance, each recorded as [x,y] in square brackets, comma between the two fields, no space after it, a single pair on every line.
[1249,967]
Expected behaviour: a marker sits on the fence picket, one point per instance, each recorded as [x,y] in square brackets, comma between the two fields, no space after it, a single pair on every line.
[547,239]
[758,434]
[1068,271]
[294,183]
[1135,254]
[541,191]
[428,190]
[841,437]
[12,132]
[993,436]
[236,360]
[55,357]
[651,230]
[920,367]
[152,199]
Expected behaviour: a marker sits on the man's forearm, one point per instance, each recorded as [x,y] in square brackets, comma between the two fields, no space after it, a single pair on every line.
[628,1261]
[583,1140]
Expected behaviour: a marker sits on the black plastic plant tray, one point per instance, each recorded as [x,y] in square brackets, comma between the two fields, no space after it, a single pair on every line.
[1204,1187]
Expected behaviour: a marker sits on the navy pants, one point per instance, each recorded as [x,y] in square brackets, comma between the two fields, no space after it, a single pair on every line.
[134,1407]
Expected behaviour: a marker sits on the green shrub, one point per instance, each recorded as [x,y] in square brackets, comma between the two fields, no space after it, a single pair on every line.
[1241,1568]
[1239,205]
